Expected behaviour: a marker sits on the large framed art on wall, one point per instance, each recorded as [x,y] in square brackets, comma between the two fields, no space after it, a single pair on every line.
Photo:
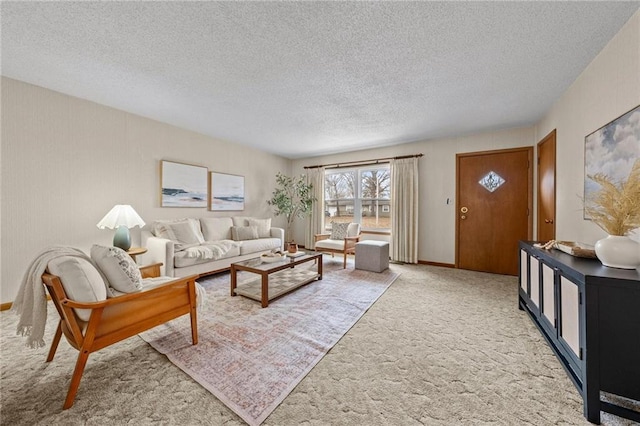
[182,185]
[227,192]
[612,150]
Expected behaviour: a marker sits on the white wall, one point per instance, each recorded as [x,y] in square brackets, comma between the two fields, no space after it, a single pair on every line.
[437,182]
[67,161]
[606,89]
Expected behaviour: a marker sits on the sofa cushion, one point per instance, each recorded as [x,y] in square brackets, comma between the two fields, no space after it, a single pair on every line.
[241,220]
[216,228]
[263,225]
[118,267]
[81,281]
[183,231]
[259,245]
[338,231]
[241,233]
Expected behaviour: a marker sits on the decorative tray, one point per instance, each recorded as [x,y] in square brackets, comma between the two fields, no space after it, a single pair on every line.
[576,249]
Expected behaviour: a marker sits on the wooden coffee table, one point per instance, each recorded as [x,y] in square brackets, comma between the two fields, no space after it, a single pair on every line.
[276,278]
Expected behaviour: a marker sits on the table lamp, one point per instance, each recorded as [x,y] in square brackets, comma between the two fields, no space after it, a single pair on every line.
[121,217]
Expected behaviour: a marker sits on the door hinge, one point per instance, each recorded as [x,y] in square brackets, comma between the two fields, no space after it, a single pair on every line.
[579,298]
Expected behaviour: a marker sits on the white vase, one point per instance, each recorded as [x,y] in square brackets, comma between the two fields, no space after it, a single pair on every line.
[618,252]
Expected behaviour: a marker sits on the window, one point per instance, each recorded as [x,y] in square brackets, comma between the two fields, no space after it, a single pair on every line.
[361,194]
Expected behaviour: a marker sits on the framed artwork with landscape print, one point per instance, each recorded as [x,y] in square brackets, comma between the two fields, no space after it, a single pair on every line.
[183,185]
[227,192]
[612,150]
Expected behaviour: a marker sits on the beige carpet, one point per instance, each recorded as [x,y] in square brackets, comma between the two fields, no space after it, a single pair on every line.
[440,347]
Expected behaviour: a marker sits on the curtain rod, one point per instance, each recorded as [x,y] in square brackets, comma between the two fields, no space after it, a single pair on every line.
[363,162]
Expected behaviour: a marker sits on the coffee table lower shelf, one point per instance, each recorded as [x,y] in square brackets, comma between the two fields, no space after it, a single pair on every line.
[273,279]
[280,283]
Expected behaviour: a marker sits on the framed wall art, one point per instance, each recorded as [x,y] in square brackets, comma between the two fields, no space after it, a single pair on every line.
[612,150]
[227,192]
[182,185]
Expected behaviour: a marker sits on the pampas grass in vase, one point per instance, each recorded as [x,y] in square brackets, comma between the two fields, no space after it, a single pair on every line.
[615,208]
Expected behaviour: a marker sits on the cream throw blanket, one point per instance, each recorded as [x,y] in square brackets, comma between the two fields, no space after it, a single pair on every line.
[31,301]
[209,250]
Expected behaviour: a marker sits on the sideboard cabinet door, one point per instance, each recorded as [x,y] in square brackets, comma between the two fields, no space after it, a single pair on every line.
[548,305]
[569,330]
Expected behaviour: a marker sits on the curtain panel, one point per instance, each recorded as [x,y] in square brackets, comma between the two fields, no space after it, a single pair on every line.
[315,221]
[404,212]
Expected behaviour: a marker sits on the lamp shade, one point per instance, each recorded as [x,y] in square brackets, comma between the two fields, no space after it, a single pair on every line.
[121,215]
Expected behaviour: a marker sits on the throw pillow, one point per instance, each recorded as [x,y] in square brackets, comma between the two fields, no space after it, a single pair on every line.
[338,231]
[118,267]
[263,225]
[241,233]
[81,281]
[184,231]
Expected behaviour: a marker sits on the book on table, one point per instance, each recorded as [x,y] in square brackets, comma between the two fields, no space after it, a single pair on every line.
[296,254]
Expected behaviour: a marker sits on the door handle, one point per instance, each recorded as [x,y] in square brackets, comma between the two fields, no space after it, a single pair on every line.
[548,221]
[464,210]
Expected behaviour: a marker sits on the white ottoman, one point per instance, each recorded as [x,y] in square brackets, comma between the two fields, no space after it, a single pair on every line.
[372,255]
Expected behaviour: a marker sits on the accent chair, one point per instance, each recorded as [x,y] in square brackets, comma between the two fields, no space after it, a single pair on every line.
[339,241]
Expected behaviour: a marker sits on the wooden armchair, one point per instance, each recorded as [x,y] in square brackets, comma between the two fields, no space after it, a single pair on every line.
[118,318]
[323,243]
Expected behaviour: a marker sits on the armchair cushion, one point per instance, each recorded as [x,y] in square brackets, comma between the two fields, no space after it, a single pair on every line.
[353,230]
[81,281]
[337,245]
[118,267]
[338,230]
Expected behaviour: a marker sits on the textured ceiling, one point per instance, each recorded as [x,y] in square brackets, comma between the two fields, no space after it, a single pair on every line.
[301,79]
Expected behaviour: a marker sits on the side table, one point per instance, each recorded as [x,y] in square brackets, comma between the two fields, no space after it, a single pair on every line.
[134,251]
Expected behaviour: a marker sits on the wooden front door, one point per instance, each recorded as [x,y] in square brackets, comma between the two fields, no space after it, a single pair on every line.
[493,208]
[547,188]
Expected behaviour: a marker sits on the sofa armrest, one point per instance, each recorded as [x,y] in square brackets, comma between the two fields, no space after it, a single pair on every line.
[278,233]
[161,250]
[320,237]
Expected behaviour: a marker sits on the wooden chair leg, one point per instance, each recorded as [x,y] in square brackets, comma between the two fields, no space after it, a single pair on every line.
[194,326]
[56,340]
[83,356]
[344,264]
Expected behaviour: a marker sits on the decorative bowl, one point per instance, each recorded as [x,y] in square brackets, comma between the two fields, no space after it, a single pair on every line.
[270,258]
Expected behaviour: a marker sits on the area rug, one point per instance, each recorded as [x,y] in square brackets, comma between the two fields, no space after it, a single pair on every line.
[251,358]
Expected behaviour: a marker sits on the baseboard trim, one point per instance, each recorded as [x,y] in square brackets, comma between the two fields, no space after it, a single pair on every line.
[7,306]
[443,265]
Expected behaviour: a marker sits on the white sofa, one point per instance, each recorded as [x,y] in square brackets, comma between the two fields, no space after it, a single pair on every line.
[210,244]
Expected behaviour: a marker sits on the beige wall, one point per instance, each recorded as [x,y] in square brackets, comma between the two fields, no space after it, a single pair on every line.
[606,89]
[437,182]
[67,161]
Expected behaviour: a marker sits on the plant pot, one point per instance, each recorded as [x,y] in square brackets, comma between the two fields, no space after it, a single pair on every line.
[618,252]
[292,247]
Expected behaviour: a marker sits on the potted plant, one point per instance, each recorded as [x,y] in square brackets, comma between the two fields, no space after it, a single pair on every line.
[615,208]
[292,198]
